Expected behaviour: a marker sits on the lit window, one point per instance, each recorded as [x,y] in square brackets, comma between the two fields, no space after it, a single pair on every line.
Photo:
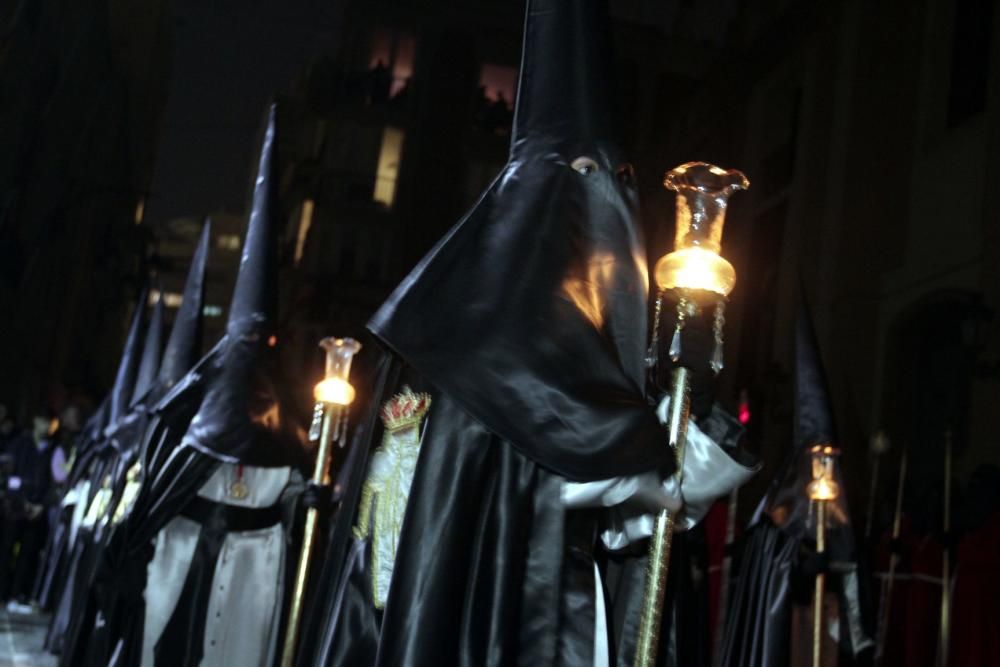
[391,64]
[497,84]
[305,222]
[212,311]
[388,166]
[170,299]
[495,101]
[228,241]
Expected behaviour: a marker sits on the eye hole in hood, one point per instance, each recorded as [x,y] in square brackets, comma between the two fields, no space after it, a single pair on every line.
[585,165]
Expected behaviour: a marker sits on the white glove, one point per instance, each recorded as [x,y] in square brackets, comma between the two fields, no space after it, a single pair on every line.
[634,501]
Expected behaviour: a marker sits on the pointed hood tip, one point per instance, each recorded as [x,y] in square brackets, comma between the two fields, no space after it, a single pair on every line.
[814,422]
[559,98]
[152,350]
[128,367]
[222,426]
[254,301]
[184,346]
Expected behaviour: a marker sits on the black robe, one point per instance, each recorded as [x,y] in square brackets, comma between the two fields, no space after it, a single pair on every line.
[527,325]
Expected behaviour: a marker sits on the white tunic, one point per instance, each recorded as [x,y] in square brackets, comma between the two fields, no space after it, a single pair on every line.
[244,609]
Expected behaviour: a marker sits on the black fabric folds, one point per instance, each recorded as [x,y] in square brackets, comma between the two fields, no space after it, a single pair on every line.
[490,594]
[758,631]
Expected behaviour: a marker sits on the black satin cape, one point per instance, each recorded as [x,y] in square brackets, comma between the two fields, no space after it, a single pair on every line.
[481,575]
[527,324]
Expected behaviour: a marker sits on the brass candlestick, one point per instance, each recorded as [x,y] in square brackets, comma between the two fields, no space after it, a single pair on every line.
[821,491]
[335,393]
[694,267]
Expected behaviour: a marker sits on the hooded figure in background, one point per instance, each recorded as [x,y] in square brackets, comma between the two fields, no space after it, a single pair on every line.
[769,613]
[87,490]
[217,504]
[478,480]
[108,479]
[48,585]
[97,604]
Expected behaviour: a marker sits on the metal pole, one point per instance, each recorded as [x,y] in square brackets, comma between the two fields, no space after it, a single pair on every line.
[820,584]
[871,498]
[883,626]
[659,548]
[331,418]
[727,562]
[946,556]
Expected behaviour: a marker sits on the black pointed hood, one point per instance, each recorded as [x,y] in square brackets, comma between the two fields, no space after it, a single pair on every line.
[531,312]
[254,304]
[128,367]
[152,350]
[565,94]
[241,417]
[184,345]
[788,503]
[813,417]
[783,531]
[94,428]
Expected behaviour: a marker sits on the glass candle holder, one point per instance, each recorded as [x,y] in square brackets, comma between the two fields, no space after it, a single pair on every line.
[703,192]
[335,388]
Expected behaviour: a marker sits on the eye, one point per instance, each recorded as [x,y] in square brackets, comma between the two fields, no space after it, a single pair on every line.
[585,165]
[626,175]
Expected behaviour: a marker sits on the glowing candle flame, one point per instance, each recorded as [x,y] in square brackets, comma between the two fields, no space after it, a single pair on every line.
[334,390]
[823,489]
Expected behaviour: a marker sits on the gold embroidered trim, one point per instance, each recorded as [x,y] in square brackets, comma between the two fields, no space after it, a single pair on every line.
[133,482]
[382,494]
[99,504]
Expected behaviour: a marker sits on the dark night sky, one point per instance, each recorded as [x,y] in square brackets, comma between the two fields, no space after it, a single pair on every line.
[230,57]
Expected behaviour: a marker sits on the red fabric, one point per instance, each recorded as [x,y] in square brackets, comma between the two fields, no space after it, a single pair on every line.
[915,614]
[975,628]
[715,539]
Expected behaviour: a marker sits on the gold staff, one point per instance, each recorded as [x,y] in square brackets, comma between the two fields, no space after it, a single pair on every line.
[695,272]
[821,490]
[946,556]
[335,393]
[897,517]
[879,446]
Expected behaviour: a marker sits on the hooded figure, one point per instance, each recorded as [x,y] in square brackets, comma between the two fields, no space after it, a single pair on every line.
[515,369]
[87,490]
[776,567]
[97,604]
[215,506]
[49,582]
[110,464]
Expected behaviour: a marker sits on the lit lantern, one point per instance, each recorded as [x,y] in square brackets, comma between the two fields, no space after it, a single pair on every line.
[334,389]
[821,490]
[823,486]
[703,192]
